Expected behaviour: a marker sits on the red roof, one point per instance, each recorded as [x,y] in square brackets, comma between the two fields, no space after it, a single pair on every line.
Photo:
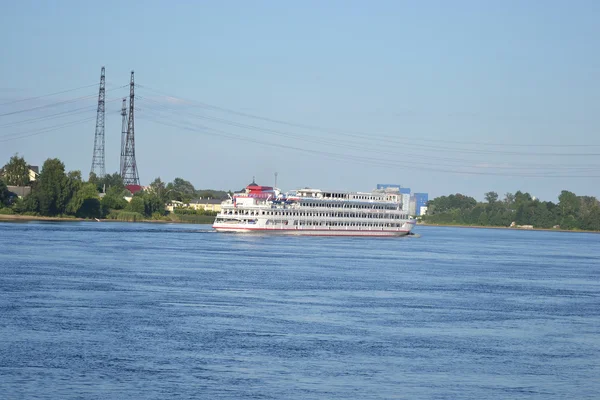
[253,187]
[133,188]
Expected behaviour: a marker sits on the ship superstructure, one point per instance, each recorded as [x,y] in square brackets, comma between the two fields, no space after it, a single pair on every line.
[314,212]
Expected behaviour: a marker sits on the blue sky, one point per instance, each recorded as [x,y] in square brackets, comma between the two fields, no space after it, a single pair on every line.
[412,93]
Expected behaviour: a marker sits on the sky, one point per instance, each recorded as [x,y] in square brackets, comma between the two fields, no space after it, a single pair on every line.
[442,97]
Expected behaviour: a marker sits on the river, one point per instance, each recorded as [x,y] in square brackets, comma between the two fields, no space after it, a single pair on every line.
[158,311]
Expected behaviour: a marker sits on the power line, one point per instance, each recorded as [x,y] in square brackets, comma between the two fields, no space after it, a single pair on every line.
[58,103]
[409,155]
[364,160]
[346,133]
[61,114]
[47,95]
[388,143]
[48,129]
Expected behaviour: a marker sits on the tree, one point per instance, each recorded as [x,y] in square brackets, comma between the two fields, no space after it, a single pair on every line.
[136,205]
[483,219]
[113,200]
[93,178]
[475,213]
[571,212]
[592,220]
[72,186]
[521,198]
[180,190]
[454,201]
[28,204]
[16,171]
[109,181]
[158,188]
[53,189]
[85,203]
[568,204]
[491,197]
[153,204]
[542,216]
[4,194]
[509,199]
[587,204]
[154,198]
[213,194]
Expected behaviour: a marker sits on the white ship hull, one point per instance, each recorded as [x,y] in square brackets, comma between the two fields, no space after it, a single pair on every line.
[314,231]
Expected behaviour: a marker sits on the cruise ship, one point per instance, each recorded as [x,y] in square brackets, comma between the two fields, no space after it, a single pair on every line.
[314,212]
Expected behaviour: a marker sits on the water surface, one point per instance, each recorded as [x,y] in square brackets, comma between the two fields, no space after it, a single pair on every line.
[155,311]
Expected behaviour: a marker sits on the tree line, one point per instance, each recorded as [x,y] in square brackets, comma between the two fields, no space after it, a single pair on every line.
[571,211]
[57,192]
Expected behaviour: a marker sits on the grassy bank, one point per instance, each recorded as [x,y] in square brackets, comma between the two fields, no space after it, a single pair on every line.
[505,227]
[120,217]
[192,219]
[15,217]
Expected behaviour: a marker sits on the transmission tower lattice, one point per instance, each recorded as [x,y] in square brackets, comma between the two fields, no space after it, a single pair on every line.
[124,126]
[129,172]
[98,158]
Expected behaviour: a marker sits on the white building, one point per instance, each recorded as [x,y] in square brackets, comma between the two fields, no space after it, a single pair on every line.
[406,203]
[34,173]
[412,208]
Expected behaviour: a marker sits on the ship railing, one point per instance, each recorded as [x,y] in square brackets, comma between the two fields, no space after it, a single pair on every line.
[355,220]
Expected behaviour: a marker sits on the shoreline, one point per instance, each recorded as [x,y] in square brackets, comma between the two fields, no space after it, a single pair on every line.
[507,228]
[32,218]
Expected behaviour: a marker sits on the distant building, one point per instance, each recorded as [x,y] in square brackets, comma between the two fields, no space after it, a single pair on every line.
[382,186]
[406,203]
[402,190]
[421,200]
[173,204]
[134,188]
[196,204]
[19,191]
[423,210]
[206,204]
[34,172]
[412,206]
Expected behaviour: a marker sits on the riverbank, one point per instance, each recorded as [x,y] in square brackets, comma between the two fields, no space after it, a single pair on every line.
[507,227]
[25,218]
[29,218]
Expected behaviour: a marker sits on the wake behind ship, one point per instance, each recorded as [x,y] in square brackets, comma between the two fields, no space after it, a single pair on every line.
[314,212]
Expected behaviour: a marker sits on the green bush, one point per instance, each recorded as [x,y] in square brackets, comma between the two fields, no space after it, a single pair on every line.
[6,211]
[136,205]
[194,219]
[157,215]
[191,211]
[125,216]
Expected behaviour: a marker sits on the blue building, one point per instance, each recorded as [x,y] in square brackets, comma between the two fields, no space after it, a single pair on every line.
[421,200]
